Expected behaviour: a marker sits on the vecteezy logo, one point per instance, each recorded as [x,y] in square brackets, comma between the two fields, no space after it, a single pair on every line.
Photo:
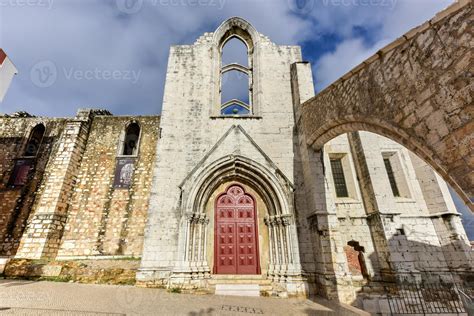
[44,74]
[301,6]
[129,6]
[128,298]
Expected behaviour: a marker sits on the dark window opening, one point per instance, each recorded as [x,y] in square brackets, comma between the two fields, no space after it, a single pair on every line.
[34,142]
[391,177]
[21,172]
[130,145]
[339,179]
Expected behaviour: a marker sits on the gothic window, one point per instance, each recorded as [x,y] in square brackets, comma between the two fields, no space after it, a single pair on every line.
[236,77]
[339,179]
[34,141]
[391,177]
[129,143]
[395,170]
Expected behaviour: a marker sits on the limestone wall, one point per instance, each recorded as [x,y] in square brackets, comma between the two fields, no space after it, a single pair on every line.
[16,202]
[192,127]
[104,220]
[68,205]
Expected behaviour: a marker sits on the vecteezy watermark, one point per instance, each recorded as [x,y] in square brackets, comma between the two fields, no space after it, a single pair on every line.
[361,3]
[45,73]
[48,4]
[129,6]
[133,6]
[301,6]
[102,74]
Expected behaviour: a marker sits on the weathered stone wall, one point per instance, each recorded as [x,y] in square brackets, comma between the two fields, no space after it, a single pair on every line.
[195,137]
[68,206]
[103,220]
[16,202]
[417,91]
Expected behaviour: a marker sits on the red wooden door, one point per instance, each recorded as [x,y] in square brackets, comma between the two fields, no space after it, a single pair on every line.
[235,238]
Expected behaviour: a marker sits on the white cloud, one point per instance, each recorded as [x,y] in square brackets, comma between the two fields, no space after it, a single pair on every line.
[389,23]
[87,34]
[347,55]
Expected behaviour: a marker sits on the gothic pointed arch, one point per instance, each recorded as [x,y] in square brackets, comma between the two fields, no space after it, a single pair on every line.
[267,181]
[276,191]
[236,81]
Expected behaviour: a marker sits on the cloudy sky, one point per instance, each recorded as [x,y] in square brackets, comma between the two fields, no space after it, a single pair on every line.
[113,53]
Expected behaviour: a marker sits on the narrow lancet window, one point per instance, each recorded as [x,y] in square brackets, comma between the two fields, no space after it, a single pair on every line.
[34,141]
[236,75]
[130,142]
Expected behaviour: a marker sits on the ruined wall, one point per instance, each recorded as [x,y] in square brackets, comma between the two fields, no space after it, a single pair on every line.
[16,202]
[192,127]
[68,205]
[103,219]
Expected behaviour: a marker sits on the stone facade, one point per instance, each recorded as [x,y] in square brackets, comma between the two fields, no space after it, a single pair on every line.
[340,221]
[68,206]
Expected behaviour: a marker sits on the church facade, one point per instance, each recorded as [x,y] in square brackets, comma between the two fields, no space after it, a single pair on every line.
[221,192]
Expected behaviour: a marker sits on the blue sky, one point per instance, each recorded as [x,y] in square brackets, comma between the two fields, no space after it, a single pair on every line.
[113,53]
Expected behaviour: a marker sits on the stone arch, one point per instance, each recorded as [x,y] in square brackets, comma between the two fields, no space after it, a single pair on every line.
[384,128]
[274,189]
[412,95]
[242,30]
[236,27]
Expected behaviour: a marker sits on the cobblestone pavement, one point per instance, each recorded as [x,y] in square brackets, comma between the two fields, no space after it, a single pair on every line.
[52,298]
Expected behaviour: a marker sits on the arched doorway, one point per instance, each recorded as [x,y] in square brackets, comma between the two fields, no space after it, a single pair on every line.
[236,233]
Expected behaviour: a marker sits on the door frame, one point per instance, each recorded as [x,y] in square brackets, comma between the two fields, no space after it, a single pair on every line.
[256,221]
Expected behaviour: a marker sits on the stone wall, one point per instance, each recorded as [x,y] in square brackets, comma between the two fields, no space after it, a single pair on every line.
[201,148]
[16,202]
[417,91]
[69,207]
[104,220]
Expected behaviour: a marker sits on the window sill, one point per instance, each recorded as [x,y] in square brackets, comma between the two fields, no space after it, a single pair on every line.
[404,200]
[346,201]
[127,156]
[245,117]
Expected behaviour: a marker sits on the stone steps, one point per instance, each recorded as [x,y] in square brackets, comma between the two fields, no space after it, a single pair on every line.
[239,279]
[238,289]
[240,285]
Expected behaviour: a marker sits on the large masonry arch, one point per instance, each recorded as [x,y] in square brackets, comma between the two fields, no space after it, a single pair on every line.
[417,91]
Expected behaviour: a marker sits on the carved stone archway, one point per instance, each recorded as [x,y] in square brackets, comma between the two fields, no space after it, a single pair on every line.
[274,190]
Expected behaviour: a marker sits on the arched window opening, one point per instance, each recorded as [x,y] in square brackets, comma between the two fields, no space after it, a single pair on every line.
[34,141]
[130,142]
[236,78]
[235,52]
[235,93]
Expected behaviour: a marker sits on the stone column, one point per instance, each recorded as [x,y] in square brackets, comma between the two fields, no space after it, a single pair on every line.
[192,266]
[318,223]
[44,230]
